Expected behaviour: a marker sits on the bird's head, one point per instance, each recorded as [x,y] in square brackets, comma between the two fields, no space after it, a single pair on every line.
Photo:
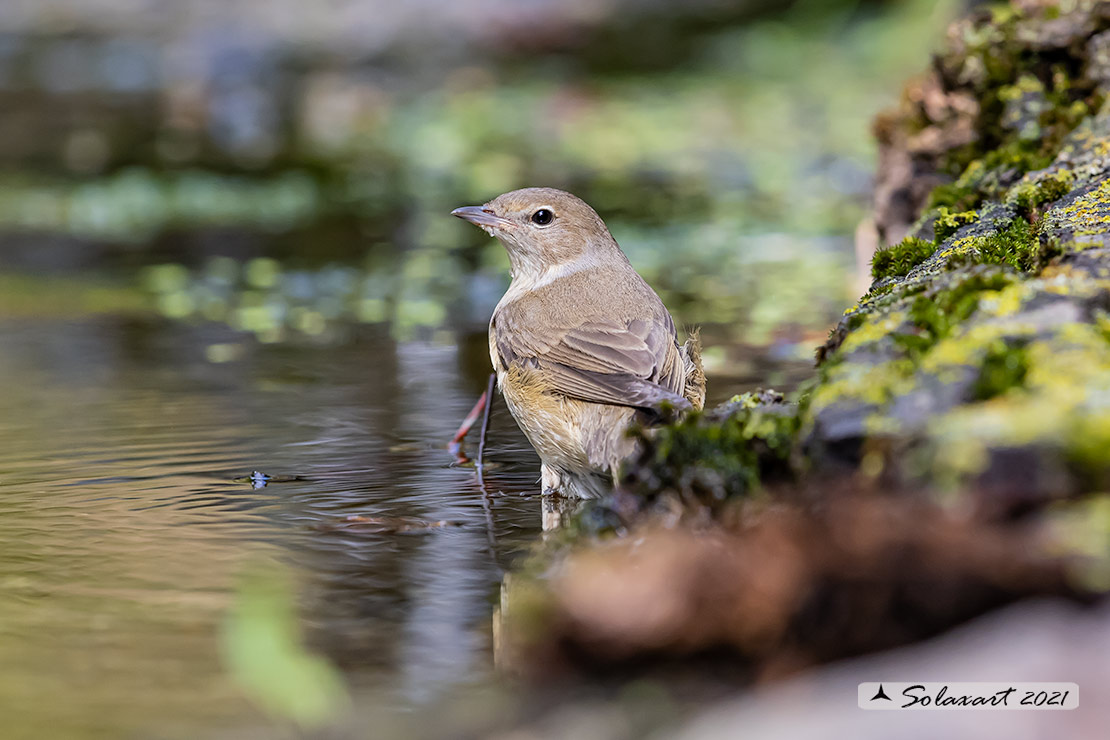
[542,228]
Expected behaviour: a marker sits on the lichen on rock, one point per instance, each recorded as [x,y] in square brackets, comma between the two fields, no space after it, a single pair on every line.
[951,364]
[990,347]
[709,458]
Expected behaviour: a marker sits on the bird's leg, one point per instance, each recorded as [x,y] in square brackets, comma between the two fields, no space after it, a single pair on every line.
[550,480]
[455,446]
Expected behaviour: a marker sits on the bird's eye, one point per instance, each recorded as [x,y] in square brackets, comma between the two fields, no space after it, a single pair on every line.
[542,217]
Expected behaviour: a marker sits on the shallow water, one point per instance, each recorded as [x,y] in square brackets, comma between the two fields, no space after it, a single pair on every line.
[125,531]
[129,523]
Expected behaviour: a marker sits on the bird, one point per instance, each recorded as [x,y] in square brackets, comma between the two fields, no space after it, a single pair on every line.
[581,345]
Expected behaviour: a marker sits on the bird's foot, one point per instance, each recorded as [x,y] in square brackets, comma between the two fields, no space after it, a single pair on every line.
[551,480]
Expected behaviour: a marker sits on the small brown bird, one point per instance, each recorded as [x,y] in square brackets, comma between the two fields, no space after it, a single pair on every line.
[581,345]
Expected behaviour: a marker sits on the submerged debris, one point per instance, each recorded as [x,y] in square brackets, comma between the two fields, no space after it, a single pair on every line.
[387,524]
[258,479]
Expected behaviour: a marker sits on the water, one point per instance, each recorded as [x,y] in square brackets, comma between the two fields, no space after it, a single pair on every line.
[125,531]
[130,523]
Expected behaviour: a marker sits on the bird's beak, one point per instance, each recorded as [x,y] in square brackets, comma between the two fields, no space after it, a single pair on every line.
[481,216]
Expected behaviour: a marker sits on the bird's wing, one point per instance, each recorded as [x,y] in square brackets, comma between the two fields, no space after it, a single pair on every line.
[633,363]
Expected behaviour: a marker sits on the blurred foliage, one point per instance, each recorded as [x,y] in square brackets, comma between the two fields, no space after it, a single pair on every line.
[135,205]
[265,656]
[733,178]
[782,292]
[23,295]
[767,128]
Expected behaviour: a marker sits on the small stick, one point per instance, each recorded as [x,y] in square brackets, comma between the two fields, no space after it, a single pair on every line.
[455,446]
[487,503]
[491,535]
[488,395]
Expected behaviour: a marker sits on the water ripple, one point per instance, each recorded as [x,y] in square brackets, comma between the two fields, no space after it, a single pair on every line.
[125,529]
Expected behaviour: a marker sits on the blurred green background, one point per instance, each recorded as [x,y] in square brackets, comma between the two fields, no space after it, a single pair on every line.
[287,168]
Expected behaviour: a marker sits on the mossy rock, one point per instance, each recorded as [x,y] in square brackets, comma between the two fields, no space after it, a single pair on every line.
[711,457]
[992,350]
[979,360]
[1001,101]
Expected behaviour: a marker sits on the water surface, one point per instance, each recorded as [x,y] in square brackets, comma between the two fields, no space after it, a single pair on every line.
[130,523]
[125,532]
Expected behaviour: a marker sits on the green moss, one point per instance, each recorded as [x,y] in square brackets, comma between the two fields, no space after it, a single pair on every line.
[877,326]
[953,195]
[1027,197]
[935,317]
[987,174]
[1023,156]
[898,259]
[948,223]
[997,381]
[1015,246]
[874,385]
[1059,410]
[949,352]
[961,195]
[940,312]
[966,347]
[1021,127]
[1004,366]
[930,312]
[876,292]
[711,456]
[986,169]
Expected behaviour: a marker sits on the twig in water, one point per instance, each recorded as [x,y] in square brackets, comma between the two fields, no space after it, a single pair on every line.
[488,395]
[483,407]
